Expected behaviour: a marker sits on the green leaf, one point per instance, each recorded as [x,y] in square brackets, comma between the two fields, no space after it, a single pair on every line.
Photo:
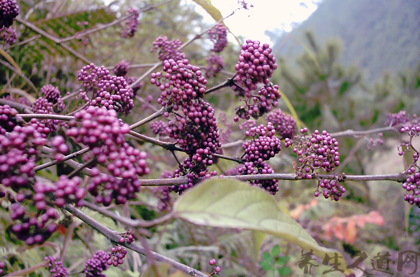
[284,271]
[275,251]
[268,257]
[283,260]
[265,266]
[227,203]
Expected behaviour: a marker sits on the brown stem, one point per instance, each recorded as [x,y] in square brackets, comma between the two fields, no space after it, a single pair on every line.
[229,82]
[115,238]
[151,117]
[68,157]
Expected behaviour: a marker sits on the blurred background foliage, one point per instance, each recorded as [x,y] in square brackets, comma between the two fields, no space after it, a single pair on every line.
[346,67]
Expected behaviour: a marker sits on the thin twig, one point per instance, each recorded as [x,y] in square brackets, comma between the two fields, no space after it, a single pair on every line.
[6,64]
[47,116]
[115,238]
[151,117]
[68,157]
[229,82]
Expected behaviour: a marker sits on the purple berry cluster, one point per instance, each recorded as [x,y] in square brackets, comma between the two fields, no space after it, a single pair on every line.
[9,10]
[33,226]
[256,65]
[8,34]
[195,127]
[121,69]
[159,127]
[111,92]
[196,132]
[60,147]
[46,106]
[285,125]
[180,83]
[258,105]
[18,151]
[214,65]
[263,146]
[117,256]
[98,263]
[103,132]
[168,49]
[8,119]
[412,184]
[216,269]
[317,151]
[403,121]
[65,191]
[218,35]
[132,24]
[127,237]
[20,100]
[55,267]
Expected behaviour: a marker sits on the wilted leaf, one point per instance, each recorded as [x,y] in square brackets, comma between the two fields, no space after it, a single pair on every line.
[11,60]
[212,10]
[229,203]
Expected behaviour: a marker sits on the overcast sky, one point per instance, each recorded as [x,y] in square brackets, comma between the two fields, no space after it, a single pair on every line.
[265,15]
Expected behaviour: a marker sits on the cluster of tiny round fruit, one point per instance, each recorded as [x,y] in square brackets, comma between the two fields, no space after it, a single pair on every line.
[55,267]
[317,151]
[8,119]
[159,127]
[9,10]
[168,49]
[258,105]
[111,92]
[121,69]
[132,24]
[180,83]
[216,269]
[285,125]
[46,106]
[218,34]
[263,146]
[98,263]
[19,150]
[412,184]
[256,65]
[117,256]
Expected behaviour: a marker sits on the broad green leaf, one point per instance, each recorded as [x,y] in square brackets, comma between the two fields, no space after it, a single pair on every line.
[275,251]
[268,257]
[230,203]
[284,271]
[11,60]
[265,266]
[283,260]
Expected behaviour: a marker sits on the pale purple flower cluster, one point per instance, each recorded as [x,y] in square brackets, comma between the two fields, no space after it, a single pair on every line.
[8,34]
